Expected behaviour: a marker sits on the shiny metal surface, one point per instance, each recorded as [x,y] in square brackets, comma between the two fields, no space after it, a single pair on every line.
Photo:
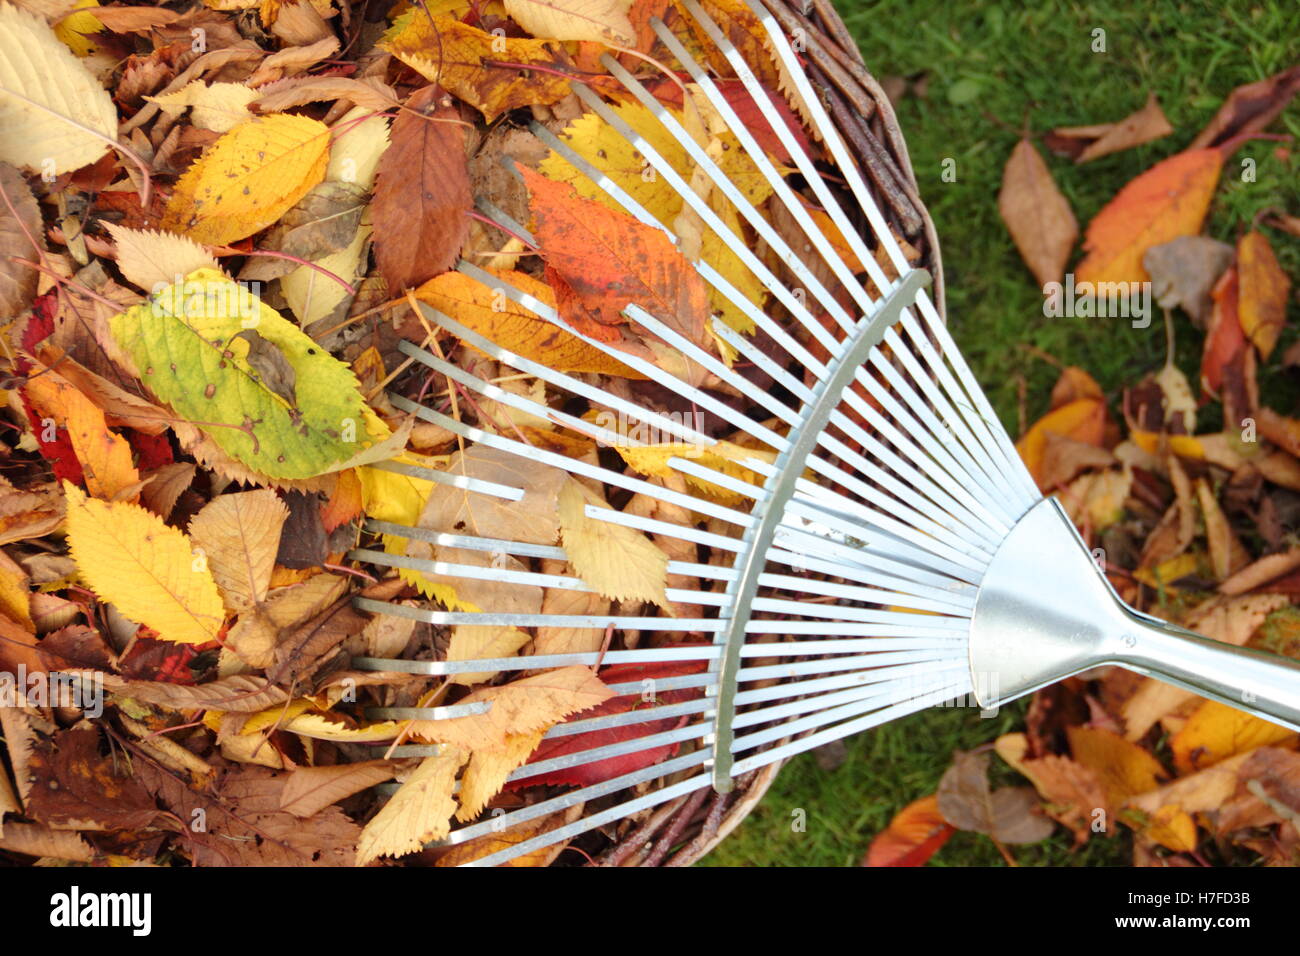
[1045,611]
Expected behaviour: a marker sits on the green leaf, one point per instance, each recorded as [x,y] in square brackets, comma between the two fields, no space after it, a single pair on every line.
[192,346]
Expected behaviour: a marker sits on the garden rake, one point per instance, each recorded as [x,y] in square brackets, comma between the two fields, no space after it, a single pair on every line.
[884,549]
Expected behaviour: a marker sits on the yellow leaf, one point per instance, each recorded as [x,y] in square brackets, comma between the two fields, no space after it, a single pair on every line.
[617,562]
[470,643]
[152,259]
[487,771]
[496,317]
[1216,731]
[240,535]
[147,569]
[1264,290]
[463,853]
[105,456]
[75,29]
[51,106]
[313,296]
[521,707]
[320,727]
[603,21]
[453,54]
[1124,768]
[358,144]
[1173,828]
[418,812]
[219,107]
[249,178]
[723,456]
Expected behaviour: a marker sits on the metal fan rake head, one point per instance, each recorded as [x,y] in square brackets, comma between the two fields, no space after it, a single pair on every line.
[883,550]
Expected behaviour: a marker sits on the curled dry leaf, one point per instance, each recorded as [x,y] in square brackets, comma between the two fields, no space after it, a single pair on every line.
[1264,292]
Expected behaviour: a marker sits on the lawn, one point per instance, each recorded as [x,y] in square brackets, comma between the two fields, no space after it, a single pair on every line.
[992,69]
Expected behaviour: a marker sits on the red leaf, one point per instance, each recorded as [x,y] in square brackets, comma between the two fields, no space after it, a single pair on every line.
[748,112]
[587,774]
[1226,338]
[422,194]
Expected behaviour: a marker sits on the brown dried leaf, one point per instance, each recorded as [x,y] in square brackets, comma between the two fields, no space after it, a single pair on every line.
[1147,124]
[422,197]
[311,789]
[966,802]
[1250,108]
[1037,215]
[1184,270]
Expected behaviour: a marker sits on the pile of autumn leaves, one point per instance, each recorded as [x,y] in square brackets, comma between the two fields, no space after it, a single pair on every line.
[162,395]
[1171,511]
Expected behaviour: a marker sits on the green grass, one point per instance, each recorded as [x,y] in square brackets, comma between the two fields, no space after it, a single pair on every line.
[993,68]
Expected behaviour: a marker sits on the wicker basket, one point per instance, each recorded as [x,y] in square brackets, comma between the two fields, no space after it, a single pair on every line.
[683,831]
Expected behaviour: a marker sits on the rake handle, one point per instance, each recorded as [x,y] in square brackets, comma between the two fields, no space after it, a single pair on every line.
[1261,683]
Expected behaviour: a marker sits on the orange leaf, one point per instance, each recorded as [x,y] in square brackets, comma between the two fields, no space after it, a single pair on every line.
[1264,291]
[912,837]
[1216,731]
[1167,201]
[1225,338]
[1083,419]
[611,260]
[105,457]
[345,503]
[1073,384]
[504,321]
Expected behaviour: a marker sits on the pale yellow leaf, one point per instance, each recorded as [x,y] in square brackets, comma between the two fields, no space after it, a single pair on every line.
[219,107]
[51,107]
[418,812]
[320,727]
[618,562]
[249,178]
[150,259]
[521,707]
[358,144]
[313,296]
[487,771]
[240,535]
[473,643]
[604,21]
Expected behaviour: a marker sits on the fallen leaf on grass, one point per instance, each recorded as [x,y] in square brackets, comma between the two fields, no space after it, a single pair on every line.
[1123,768]
[914,835]
[1086,143]
[1037,215]
[1263,292]
[1167,201]
[966,801]
[1184,270]
[1216,731]
[1250,108]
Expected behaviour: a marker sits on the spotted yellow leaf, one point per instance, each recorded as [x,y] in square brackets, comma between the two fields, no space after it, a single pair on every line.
[249,178]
